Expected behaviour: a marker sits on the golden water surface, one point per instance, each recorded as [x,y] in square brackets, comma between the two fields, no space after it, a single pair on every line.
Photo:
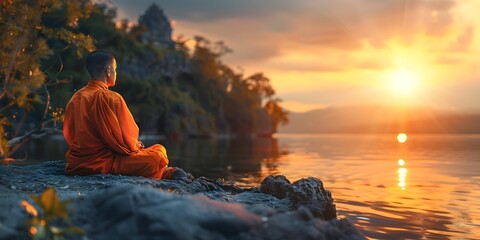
[427,187]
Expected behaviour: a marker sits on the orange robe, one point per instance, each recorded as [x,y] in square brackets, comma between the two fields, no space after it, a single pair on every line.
[103,136]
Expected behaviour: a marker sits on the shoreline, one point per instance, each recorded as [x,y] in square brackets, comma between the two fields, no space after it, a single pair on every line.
[113,206]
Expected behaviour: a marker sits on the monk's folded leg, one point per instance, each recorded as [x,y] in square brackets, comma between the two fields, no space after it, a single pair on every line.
[148,162]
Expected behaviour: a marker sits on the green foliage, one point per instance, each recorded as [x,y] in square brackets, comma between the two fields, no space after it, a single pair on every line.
[244,100]
[52,221]
[28,31]
[159,107]
[42,44]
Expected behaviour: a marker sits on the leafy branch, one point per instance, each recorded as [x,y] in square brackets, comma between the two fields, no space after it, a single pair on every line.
[52,221]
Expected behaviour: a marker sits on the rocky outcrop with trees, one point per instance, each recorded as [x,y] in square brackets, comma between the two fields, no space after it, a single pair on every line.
[170,89]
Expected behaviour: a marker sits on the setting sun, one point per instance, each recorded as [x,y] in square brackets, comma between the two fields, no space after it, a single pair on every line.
[403,82]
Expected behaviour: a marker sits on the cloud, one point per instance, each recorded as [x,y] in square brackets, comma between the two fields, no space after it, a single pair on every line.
[341,24]
[374,65]
[456,95]
[306,46]
[249,47]
[212,10]
[335,96]
[464,40]
[307,67]
[297,106]
[448,60]
[376,22]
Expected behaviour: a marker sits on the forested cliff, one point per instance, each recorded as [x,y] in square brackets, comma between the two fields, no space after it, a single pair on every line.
[170,88]
[173,90]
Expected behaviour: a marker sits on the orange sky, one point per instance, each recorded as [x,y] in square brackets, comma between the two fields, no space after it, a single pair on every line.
[321,53]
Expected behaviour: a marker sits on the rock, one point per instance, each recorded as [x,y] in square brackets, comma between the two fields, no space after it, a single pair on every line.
[125,207]
[159,29]
[180,174]
[6,232]
[136,212]
[277,186]
[293,225]
[307,192]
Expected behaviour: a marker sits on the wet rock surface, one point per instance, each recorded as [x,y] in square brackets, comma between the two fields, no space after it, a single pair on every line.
[125,207]
[306,192]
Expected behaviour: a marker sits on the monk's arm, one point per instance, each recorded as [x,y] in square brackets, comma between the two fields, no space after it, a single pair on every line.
[114,123]
[128,126]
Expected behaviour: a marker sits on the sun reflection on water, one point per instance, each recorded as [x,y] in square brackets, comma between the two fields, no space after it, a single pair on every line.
[402,176]
[367,176]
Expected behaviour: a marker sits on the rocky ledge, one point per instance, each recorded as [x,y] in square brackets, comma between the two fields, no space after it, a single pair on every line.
[124,207]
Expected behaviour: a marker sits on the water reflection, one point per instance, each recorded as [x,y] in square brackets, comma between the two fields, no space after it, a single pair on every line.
[39,150]
[435,197]
[402,171]
[402,177]
[241,161]
[426,188]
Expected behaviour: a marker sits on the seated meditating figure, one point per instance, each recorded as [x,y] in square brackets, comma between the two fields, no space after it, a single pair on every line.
[101,132]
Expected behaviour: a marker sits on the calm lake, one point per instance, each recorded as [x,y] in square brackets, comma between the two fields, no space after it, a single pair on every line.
[425,188]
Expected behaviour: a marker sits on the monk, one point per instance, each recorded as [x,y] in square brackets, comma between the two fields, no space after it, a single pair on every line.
[101,132]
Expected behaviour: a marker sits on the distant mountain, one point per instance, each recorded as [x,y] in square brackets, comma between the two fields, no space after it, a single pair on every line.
[382,119]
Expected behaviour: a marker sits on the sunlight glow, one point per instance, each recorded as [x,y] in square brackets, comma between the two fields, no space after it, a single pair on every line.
[33,231]
[402,137]
[403,82]
[401,162]
[29,208]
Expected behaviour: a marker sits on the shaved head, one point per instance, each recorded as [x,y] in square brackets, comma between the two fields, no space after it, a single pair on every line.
[97,61]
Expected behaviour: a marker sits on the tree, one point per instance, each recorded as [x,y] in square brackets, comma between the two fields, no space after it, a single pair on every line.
[277,114]
[259,84]
[28,28]
[247,103]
